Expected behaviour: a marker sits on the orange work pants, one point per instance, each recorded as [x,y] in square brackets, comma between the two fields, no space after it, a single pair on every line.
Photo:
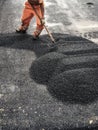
[28,14]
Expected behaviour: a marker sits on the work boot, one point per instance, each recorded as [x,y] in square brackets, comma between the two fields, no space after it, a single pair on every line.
[22,29]
[36,34]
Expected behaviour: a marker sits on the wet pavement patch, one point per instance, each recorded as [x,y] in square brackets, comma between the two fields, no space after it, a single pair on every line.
[51,89]
[90,4]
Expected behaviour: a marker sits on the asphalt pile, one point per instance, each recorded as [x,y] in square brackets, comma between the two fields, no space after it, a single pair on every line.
[68,100]
[70,72]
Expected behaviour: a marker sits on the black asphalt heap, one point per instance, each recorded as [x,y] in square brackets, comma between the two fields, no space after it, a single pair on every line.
[70,73]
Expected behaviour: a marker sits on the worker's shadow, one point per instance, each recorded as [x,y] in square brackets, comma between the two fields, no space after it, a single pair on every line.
[26,42]
[69,69]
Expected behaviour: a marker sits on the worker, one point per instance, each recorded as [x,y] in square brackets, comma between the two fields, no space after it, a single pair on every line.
[28,13]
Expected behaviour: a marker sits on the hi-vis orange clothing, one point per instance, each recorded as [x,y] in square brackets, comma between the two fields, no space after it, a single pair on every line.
[29,13]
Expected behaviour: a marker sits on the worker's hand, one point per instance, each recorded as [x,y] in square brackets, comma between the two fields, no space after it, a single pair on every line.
[43,21]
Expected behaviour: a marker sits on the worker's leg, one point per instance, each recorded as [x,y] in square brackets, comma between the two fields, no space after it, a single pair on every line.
[39,26]
[26,18]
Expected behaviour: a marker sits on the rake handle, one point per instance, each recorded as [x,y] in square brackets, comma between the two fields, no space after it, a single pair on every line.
[49,34]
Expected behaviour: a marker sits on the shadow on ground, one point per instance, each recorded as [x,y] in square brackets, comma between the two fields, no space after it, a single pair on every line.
[26,42]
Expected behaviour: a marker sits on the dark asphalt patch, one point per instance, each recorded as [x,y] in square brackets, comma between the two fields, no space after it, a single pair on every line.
[70,73]
[22,41]
[90,3]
